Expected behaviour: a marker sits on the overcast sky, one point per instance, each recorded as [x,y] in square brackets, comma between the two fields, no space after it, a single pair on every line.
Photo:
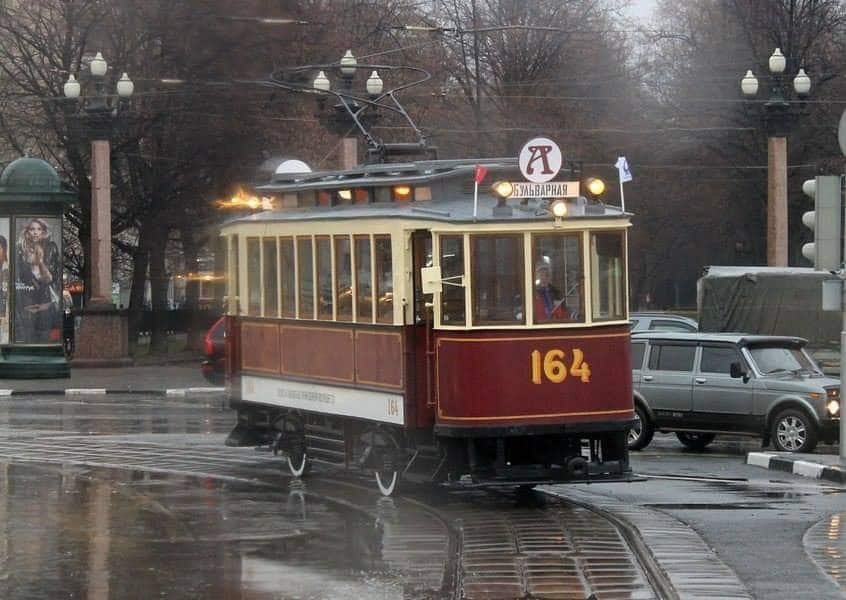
[642,9]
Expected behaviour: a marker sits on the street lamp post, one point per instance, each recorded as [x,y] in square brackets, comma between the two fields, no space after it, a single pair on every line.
[779,117]
[99,117]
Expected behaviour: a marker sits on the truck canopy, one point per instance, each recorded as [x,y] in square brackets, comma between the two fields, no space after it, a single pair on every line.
[771,301]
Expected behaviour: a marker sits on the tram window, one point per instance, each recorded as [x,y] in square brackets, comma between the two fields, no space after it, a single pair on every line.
[307,198]
[286,277]
[324,198]
[608,270]
[363,279]
[271,290]
[452,267]
[305,277]
[384,279]
[497,279]
[402,193]
[253,277]
[361,196]
[343,278]
[324,279]
[557,278]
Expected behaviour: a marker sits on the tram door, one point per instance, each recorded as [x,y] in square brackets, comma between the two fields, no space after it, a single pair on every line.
[424,364]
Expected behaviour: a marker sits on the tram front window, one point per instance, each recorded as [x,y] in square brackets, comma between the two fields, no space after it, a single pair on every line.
[608,268]
[497,267]
[557,279]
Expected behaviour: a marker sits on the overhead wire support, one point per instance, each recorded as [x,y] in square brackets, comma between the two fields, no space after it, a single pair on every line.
[355,105]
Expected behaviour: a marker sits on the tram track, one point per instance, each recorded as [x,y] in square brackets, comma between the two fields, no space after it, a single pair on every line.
[453,545]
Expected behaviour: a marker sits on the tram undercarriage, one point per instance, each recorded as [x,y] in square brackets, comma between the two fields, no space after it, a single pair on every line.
[503,456]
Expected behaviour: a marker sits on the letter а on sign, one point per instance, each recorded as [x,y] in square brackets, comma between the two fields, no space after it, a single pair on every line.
[540,160]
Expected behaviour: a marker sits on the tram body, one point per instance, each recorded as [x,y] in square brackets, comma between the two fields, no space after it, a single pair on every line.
[336,353]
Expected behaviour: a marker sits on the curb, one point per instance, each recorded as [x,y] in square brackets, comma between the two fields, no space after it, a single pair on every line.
[803,468]
[171,392]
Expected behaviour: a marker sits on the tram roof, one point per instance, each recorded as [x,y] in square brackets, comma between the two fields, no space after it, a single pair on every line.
[451,210]
[452,197]
[418,172]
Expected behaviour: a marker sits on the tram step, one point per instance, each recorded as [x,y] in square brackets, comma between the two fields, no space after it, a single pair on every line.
[323,429]
[322,440]
[326,455]
[424,465]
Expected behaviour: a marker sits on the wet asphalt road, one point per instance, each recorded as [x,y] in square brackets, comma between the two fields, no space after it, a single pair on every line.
[132,496]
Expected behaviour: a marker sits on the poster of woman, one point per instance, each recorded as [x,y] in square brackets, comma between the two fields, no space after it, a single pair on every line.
[4,280]
[38,280]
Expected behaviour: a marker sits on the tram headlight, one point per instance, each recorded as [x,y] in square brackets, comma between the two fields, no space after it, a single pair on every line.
[502,189]
[833,407]
[558,208]
[595,186]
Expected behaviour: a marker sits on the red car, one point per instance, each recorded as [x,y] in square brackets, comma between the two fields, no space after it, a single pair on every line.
[214,367]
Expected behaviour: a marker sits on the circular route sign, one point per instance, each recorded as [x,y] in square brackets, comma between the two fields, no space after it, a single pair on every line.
[540,160]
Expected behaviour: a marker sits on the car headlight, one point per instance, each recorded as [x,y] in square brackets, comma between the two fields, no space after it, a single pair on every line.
[833,407]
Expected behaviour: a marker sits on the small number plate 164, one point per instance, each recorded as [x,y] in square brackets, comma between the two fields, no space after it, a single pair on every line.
[552,366]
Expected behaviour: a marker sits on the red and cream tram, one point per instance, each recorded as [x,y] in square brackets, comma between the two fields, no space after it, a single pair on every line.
[375,323]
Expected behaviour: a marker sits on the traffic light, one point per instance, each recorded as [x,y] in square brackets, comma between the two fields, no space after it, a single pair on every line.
[826,249]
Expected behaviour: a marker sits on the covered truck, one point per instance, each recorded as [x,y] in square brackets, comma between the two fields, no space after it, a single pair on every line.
[772,301]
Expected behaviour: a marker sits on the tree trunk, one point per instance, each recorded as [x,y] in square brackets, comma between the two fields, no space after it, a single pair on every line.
[158,285]
[192,293]
[140,262]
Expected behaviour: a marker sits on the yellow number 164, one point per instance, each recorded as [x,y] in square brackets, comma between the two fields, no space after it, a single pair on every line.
[551,365]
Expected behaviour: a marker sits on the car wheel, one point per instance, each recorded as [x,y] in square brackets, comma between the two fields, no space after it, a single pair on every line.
[641,433]
[695,441]
[794,431]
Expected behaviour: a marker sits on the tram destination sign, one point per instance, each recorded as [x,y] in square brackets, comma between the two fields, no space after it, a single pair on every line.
[549,189]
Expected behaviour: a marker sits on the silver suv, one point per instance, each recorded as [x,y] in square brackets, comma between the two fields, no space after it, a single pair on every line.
[699,385]
[658,321]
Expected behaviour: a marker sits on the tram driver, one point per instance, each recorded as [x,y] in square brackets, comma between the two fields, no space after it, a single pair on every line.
[549,301]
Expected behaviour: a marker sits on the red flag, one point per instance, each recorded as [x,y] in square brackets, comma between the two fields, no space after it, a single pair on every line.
[480,173]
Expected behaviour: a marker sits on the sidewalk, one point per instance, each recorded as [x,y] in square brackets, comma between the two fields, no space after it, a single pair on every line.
[167,379]
[828,467]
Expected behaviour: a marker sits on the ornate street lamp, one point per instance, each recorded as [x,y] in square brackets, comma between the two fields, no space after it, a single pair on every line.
[101,322]
[780,115]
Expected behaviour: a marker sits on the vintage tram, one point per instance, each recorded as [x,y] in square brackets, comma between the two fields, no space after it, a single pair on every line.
[380,320]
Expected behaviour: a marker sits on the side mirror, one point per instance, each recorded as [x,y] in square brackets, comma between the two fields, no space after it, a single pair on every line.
[737,371]
[430,277]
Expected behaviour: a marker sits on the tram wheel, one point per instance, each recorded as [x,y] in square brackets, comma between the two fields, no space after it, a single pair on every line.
[298,463]
[386,472]
[387,482]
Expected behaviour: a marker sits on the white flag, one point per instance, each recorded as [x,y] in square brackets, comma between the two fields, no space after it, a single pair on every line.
[623,168]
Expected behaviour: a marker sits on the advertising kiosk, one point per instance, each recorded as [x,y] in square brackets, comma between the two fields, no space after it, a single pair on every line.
[32,203]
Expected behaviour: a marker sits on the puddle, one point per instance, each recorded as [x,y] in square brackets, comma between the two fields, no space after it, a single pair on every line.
[72,531]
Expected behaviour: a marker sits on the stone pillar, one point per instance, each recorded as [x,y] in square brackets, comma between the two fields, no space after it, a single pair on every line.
[777,202]
[102,338]
[101,225]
